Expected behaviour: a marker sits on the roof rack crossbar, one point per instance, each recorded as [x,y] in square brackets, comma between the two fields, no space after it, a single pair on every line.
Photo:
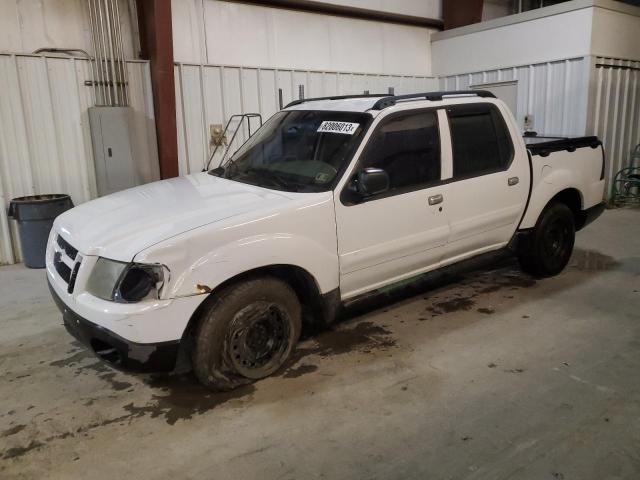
[335,97]
[389,101]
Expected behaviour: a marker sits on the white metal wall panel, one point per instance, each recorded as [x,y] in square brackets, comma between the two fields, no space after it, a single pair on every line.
[210,94]
[45,144]
[616,107]
[29,25]
[555,93]
[236,33]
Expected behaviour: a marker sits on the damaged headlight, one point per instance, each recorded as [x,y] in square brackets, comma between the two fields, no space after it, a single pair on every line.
[125,282]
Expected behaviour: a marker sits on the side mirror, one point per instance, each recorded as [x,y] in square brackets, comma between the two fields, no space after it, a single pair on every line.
[372,181]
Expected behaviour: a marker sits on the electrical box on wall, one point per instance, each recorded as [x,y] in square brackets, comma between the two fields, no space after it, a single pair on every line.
[112,152]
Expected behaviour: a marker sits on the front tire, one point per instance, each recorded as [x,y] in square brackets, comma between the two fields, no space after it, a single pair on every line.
[247,332]
[548,249]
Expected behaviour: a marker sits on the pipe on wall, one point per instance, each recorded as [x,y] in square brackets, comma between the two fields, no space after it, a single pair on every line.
[109,67]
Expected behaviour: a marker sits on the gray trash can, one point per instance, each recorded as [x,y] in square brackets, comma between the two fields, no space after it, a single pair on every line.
[35,215]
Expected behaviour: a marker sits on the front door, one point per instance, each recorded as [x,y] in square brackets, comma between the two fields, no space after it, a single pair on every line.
[400,232]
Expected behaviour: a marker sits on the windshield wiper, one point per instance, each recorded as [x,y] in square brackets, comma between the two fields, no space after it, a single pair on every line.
[220,170]
[274,177]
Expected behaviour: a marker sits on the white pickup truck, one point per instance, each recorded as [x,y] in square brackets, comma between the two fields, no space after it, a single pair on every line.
[331,198]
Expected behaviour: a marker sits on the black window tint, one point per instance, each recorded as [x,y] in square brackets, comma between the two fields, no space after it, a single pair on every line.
[407,147]
[480,140]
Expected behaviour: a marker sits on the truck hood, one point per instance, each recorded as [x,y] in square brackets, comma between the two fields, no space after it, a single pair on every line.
[120,225]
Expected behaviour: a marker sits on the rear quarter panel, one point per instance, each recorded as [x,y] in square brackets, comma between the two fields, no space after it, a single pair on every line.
[580,170]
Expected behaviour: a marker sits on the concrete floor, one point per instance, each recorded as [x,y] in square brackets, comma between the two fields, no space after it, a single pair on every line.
[483,374]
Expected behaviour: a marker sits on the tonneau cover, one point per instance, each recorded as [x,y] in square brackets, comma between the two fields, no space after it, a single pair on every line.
[544,145]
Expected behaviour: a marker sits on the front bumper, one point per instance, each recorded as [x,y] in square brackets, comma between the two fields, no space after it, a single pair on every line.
[112,348]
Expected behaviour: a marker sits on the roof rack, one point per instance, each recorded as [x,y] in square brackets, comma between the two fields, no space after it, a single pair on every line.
[389,101]
[335,97]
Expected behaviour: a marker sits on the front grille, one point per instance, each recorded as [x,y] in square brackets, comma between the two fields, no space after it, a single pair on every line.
[72,278]
[62,268]
[69,250]
[67,273]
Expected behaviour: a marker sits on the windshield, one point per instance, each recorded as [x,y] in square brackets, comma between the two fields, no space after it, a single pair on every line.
[298,151]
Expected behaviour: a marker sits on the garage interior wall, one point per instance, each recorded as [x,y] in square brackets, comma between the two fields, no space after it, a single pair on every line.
[210,94]
[554,94]
[45,142]
[553,53]
[218,32]
[616,111]
[234,57]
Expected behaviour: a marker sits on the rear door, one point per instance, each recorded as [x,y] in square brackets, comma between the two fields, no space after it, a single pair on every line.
[490,182]
[403,231]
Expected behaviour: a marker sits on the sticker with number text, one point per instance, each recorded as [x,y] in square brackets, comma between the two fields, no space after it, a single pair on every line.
[346,128]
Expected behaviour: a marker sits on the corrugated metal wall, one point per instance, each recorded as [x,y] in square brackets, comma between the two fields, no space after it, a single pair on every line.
[45,144]
[210,94]
[578,96]
[616,111]
[555,93]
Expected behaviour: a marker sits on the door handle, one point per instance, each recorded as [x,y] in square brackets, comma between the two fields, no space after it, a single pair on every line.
[513,181]
[435,199]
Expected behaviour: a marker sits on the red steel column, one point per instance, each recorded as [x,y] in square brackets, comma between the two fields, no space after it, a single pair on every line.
[458,13]
[156,45]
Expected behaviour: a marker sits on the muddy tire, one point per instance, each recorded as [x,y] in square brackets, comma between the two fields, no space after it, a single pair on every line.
[246,332]
[548,249]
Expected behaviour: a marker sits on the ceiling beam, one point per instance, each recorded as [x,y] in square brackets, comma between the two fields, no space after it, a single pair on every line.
[311,6]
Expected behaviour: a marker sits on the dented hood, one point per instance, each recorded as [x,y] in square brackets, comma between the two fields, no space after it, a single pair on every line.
[122,224]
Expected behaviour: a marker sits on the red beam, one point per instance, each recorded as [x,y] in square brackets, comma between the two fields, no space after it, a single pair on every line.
[458,13]
[156,45]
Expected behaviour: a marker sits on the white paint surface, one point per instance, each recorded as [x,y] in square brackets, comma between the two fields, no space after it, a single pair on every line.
[616,34]
[207,230]
[566,35]
[28,25]
[238,34]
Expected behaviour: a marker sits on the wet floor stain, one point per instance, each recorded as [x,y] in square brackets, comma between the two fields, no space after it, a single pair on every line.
[12,430]
[183,398]
[115,384]
[486,311]
[482,275]
[591,261]
[175,398]
[515,370]
[178,397]
[299,371]
[454,305]
[76,358]
[14,452]
[364,336]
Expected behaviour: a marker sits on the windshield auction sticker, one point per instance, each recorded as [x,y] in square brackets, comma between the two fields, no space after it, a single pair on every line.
[346,128]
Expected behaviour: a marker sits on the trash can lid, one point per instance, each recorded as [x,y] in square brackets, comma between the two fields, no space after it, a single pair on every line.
[36,200]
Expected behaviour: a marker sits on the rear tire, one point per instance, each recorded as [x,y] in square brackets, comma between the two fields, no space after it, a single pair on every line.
[247,332]
[549,247]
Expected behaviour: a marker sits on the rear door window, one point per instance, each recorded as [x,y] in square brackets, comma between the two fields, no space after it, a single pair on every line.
[480,140]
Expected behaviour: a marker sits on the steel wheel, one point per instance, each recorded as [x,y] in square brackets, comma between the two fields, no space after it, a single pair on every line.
[556,244]
[258,338]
